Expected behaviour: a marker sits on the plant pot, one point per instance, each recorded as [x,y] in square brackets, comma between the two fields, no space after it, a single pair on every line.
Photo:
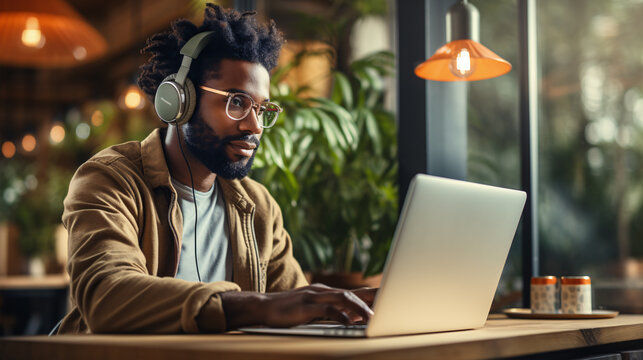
[349,281]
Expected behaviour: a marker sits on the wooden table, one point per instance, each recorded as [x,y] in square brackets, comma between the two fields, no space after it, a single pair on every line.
[501,337]
[60,281]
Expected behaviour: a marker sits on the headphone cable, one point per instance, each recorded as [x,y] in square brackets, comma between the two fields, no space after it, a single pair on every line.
[196,214]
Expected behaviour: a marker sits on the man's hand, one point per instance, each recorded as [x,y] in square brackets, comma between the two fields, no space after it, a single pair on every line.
[298,306]
[367,294]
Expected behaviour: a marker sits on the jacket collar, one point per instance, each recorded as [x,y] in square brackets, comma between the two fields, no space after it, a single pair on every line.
[153,159]
[235,193]
[157,173]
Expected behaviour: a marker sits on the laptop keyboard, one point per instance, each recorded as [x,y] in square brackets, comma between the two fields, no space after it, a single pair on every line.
[337,329]
[336,326]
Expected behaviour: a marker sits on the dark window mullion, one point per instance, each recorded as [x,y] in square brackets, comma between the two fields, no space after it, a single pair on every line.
[528,141]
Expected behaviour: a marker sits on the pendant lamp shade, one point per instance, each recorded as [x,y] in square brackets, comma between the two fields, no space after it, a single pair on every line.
[463,58]
[482,63]
[46,34]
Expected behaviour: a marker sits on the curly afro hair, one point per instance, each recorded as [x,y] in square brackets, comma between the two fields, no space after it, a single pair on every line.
[237,36]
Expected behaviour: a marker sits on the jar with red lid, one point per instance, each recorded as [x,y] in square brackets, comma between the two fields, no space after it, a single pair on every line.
[576,295]
[544,295]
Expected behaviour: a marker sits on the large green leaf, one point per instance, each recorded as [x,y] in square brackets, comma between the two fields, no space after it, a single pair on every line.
[272,152]
[333,108]
[302,148]
[310,120]
[333,134]
[285,142]
[372,130]
[345,120]
[320,247]
[306,251]
[342,92]
[291,184]
[297,160]
[350,132]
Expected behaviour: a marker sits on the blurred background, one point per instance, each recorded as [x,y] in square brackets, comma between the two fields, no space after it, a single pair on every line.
[337,160]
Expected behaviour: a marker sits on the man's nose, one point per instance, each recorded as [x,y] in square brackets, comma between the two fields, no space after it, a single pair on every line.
[251,123]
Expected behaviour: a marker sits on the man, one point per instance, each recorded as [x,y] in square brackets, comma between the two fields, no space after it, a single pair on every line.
[144,257]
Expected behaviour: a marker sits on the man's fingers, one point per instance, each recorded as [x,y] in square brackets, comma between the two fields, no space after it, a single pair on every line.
[356,318]
[326,311]
[317,301]
[367,294]
[345,300]
[334,313]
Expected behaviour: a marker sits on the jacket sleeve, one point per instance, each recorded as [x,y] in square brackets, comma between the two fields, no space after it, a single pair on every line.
[110,283]
[283,271]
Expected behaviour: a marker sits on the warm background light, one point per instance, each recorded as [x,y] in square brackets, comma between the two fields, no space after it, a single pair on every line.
[80,53]
[463,57]
[449,63]
[8,149]
[461,64]
[133,98]
[31,35]
[28,143]
[97,118]
[46,34]
[57,134]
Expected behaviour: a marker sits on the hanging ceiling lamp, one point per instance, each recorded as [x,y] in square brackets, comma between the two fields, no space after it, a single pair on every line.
[463,58]
[46,33]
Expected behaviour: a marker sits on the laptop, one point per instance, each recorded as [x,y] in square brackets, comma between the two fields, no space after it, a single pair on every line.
[445,261]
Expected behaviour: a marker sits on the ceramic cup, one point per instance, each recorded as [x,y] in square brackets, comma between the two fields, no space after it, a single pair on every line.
[544,295]
[576,295]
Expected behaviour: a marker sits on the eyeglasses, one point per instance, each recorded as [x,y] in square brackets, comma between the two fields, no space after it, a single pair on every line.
[240,104]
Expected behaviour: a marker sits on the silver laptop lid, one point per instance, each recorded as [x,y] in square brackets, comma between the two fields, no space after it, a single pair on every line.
[447,255]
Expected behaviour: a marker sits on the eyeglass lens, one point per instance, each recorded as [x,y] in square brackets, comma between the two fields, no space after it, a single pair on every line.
[239,106]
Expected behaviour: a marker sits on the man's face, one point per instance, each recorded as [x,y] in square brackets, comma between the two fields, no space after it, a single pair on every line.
[225,146]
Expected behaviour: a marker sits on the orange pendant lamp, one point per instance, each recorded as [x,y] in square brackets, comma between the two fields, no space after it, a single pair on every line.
[45,34]
[463,58]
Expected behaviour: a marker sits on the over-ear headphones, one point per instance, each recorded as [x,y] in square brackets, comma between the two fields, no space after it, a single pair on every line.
[175,97]
[174,103]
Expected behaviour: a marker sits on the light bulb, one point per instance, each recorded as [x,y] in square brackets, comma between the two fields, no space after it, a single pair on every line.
[461,64]
[80,53]
[29,142]
[31,35]
[57,133]
[8,149]
[98,118]
[133,98]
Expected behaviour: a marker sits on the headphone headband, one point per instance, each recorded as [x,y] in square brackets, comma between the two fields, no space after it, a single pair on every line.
[175,98]
[193,47]
[190,51]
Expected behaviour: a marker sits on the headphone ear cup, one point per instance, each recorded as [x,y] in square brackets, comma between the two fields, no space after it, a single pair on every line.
[190,102]
[168,100]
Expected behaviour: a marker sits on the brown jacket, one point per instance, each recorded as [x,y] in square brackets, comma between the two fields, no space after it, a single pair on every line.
[125,227]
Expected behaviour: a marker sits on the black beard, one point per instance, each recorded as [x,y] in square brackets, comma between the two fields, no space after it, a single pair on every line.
[209,149]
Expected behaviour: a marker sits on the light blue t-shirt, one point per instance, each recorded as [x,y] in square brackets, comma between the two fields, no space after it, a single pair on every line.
[213,250]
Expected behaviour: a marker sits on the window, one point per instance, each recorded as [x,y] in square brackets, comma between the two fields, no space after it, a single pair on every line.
[591,144]
[590,176]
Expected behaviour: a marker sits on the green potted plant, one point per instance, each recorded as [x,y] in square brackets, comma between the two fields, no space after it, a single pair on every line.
[32,188]
[331,165]
[34,207]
